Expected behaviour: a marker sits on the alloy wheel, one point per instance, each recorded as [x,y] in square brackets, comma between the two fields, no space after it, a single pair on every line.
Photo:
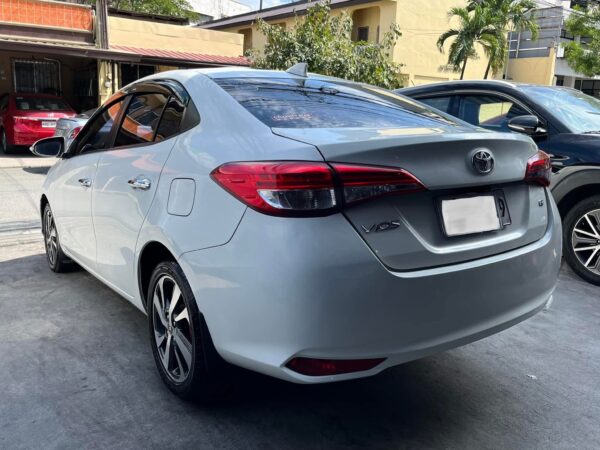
[585,241]
[173,333]
[50,237]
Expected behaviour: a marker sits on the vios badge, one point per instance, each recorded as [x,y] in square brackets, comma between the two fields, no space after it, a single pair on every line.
[483,161]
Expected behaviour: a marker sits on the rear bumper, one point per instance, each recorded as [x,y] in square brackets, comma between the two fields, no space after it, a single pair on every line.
[284,288]
[26,137]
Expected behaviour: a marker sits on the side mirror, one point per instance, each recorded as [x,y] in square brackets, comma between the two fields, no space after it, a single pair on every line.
[529,125]
[49,147]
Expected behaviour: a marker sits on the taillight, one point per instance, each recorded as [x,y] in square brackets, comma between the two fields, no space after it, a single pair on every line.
[365,182]
[74,132]
[280,188]
[322,367]
[304,188]
[539,169]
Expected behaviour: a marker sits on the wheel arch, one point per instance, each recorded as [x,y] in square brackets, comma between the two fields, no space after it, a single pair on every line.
[574,196]
[153,253]
[43,202]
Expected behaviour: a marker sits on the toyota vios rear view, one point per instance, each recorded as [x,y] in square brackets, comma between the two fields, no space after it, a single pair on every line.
[305,227]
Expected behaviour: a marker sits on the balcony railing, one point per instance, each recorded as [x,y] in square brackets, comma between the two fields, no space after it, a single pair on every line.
[51,14]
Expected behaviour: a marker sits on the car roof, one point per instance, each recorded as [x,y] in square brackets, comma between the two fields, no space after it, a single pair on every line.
[238,72]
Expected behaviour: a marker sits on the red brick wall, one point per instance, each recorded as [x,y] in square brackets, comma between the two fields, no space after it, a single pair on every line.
[46,13]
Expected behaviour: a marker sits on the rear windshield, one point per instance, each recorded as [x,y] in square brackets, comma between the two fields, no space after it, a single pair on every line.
[41,104]
[293,103]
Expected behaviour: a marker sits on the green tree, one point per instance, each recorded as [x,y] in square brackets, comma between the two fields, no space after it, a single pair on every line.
[475,27]
[324,42]
[174,8]
[584,56]
[504,15]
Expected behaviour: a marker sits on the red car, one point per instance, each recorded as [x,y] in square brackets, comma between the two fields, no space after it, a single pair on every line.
[26,118]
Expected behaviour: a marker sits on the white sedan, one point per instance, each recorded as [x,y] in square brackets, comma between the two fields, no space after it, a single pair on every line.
[305,227]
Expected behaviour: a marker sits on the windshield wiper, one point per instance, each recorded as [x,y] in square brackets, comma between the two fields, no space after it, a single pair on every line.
[592,132]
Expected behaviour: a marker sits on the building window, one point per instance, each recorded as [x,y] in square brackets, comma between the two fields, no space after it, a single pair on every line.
[560,80]
[589,87]
[38,77]
[362,34]
[133,72]
[578,84]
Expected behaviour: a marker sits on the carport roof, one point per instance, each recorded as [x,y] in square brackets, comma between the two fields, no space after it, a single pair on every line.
[178,56]
[119,53]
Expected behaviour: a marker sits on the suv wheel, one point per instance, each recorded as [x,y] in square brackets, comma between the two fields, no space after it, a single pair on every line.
[581,235]
[185,356]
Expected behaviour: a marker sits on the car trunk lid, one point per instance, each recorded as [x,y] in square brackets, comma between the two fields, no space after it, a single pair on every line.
[407,231]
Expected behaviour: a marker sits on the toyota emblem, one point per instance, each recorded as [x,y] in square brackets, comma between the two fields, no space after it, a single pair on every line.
[483,161]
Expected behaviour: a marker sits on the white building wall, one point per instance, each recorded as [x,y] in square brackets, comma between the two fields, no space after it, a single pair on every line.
[218,9]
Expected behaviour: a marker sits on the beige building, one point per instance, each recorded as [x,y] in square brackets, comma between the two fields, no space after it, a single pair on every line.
[421,23]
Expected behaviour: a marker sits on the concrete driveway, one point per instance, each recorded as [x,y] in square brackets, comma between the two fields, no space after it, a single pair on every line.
[77,371]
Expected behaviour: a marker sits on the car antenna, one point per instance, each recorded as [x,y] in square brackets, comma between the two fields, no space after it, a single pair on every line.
[300,69]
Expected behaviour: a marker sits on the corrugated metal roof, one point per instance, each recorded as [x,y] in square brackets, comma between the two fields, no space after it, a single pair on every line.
[183,56]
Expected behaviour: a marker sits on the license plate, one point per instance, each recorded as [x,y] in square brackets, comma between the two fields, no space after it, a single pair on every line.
[470,215]
[48,124]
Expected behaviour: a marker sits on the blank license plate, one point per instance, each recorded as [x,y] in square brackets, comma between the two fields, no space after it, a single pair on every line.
[48,124]
[470,215]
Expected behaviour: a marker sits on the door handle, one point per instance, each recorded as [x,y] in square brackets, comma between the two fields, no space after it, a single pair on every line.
[85,182]
[140,183]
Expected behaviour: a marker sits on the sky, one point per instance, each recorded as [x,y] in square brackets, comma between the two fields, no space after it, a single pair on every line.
[266,3]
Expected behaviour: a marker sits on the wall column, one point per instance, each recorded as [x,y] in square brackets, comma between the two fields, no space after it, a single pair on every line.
[105,81]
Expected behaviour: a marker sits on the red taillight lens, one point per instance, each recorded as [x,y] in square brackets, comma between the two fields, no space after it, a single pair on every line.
[280,188]
[539,169]
[365,182]
[303,188]
[74,132]
[322,367]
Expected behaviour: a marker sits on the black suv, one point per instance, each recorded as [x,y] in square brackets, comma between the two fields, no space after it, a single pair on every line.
[565,123]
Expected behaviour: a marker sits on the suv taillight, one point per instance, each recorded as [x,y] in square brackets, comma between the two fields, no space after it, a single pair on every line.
[539,169]
[304,188]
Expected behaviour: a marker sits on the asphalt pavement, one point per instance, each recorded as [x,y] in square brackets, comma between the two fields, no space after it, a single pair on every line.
[77,371]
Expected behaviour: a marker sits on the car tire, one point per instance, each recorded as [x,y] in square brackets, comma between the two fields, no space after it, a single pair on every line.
[57,260]
[584,217]
[183,350]
[5,148]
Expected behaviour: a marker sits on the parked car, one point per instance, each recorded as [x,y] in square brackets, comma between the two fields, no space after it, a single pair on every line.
[26,118]
[69,127]
[304,227]
[577,190]
[563,122]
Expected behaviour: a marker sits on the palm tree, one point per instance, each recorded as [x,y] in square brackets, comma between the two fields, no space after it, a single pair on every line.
[505,14]
[476,26]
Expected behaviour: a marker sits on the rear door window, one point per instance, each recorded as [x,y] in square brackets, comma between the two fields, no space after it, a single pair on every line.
[141,119]
[292,103]
[489,111]
[170,123]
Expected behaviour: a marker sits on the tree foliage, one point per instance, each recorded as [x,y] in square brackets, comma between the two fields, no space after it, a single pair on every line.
[584,55]
[323,41]
[486,23]
[173,8]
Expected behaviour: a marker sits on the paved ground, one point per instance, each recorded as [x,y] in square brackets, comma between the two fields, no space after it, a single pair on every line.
[76,371]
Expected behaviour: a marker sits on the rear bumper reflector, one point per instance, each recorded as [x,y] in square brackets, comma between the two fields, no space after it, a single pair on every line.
[322,367]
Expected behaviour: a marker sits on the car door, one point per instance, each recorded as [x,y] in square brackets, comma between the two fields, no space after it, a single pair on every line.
[71,193]
[126,181]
